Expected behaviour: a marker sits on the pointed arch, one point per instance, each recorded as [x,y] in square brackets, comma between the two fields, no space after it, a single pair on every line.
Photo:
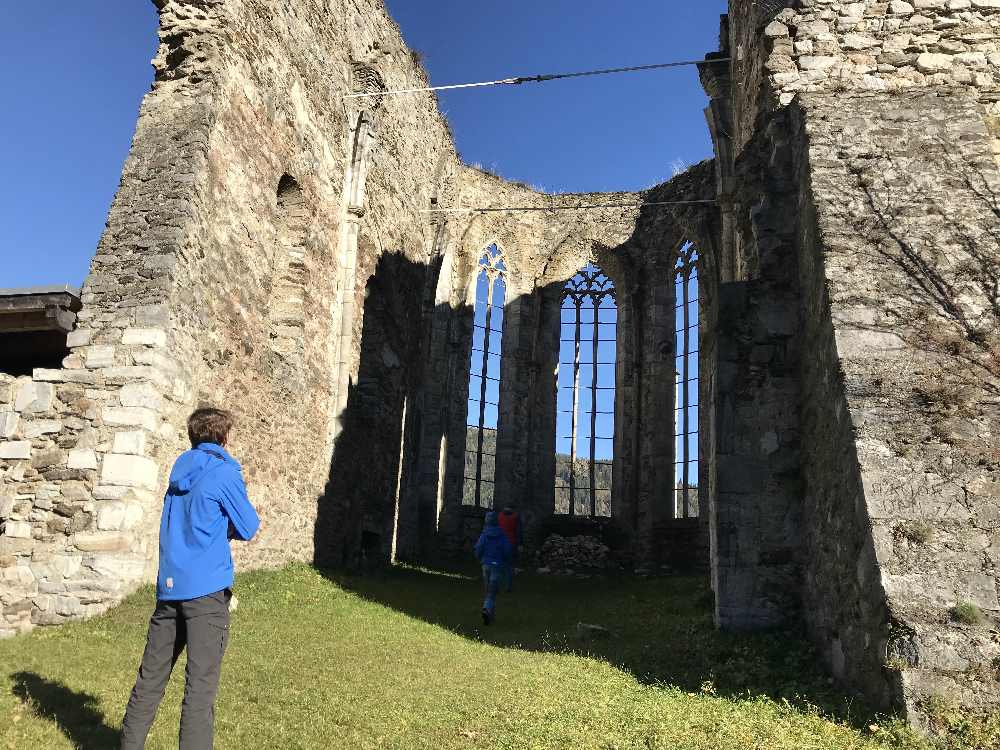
[686,361]
[585,393]
[483,409]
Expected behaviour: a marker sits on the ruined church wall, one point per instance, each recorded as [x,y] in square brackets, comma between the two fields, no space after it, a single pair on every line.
[81,465]
[543,250]
[889,112]
[904,253]
[871,45]
[209,286]
[282,113]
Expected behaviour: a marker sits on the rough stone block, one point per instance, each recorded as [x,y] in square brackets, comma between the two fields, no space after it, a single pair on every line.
[33,397]
[68,606]
[135,373]
[14,546]
[931,62]
[86,377]
[15,450]
[99,357]
[143,395]
[80,337]
[131,443]
[129,471]
[66,565]
[82,458]
[38,427]
[17,529]
[47,376]
[155,337]
[117,568]
[73,362]
[111,515]
[104,492]
[858,343]
[49,457]
[6,506]
[131,417]
[101,542]
[9,422]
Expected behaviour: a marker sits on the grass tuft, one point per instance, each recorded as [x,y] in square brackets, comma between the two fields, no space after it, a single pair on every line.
[967,613]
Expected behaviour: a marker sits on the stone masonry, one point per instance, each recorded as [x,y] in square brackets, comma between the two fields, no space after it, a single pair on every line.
[857,172]
[270,250]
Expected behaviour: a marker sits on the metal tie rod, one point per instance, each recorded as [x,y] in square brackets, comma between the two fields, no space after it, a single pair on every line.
[518,80]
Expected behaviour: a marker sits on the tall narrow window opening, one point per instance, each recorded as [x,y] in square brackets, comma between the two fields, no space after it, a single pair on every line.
[287,303]
[585,400]
[686,501]
[484,379]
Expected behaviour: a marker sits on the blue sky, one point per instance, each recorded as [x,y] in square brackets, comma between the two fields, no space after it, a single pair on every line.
[74,74]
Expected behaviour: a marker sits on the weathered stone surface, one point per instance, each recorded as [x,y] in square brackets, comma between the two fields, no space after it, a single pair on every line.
[38,427]
[33,398]
[129,471]
[15,450]
[133,443]
[101,542]
[144,395]
[17,529]
[845,458]
[9,422]
[154,337]
[130,417]
[82,458]
[98,357]
[79,337]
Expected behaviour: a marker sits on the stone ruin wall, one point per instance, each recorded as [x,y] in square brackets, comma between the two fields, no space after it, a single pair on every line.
[258,219]
[543,251]
[179,307]
[864,138]
[264,227]
[836,46]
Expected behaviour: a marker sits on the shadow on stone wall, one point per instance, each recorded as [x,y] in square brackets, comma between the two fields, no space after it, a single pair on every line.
[359,515]
[75,713]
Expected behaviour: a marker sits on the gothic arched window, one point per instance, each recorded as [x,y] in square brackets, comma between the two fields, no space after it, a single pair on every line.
[686,503]
[585,400]
[484,379]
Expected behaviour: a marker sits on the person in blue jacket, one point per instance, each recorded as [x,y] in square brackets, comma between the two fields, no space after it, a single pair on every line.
[494,553]
[205,506]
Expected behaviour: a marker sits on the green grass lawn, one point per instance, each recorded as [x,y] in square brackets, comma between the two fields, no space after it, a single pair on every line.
[399,660]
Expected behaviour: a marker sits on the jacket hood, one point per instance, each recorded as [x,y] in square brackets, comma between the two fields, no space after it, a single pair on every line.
[491,519]
[192,465]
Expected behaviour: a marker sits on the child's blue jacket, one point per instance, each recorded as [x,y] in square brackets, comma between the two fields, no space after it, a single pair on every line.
[493,547]
[205,506]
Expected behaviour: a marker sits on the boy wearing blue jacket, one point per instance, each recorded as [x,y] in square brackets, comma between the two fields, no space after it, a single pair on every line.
[206,505]
[494,553]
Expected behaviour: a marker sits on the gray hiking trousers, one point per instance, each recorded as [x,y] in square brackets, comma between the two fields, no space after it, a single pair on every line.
[202,625]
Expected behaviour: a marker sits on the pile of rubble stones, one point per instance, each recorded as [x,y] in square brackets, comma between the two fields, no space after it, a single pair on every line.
[571,555]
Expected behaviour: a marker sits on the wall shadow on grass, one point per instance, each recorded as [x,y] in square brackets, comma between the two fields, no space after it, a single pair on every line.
[75,713]
[661,631]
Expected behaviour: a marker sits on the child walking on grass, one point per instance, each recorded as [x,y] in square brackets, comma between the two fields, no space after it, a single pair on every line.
[494,553]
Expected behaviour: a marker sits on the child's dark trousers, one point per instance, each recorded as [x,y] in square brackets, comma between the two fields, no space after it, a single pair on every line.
[201,625]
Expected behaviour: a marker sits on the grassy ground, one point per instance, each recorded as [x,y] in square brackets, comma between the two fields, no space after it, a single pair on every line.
[399,660]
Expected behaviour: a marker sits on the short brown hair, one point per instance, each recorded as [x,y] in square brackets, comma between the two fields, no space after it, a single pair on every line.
[209,425]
